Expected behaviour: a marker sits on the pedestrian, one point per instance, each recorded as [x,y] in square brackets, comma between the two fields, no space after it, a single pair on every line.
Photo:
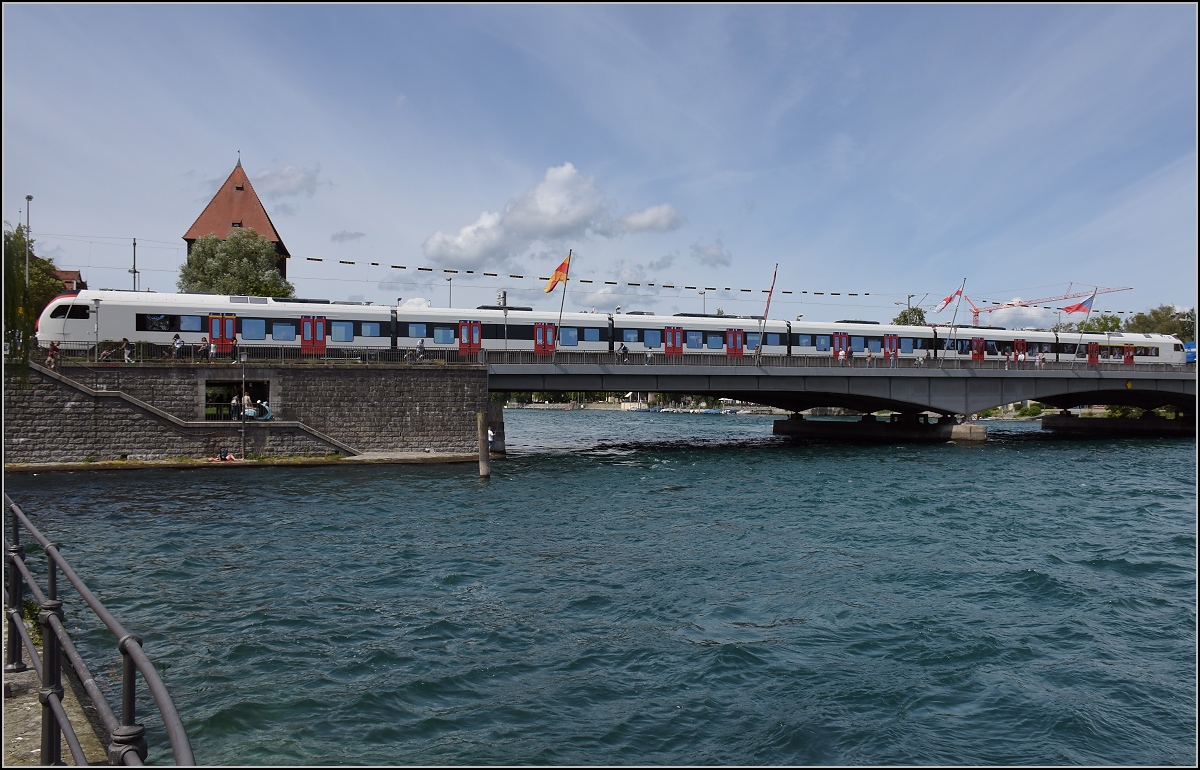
[421,349]
[491,435]
[234,404]
[177,345]
[870,358]
[204,348]
[1041,360]
[1006,358]
[246,404]
[1021,360]
[850,357]
[927,357]
[841,356]
[649,357]
[52,356]
[233,350]
[892,362]
[126,350]
[623,351]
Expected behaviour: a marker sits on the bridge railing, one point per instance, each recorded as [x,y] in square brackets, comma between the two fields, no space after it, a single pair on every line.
[145,352]
[127,744]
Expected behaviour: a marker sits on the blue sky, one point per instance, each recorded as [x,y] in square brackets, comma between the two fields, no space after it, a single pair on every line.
[877,151]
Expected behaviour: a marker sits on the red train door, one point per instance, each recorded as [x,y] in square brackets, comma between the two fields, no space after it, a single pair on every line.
[1019,348]
[735,342]
[673,341]
[839,341]
[543,339]
[1093,353]
[222,329]
[312,334]
[1129,354]
[891,346]
[470,336]
[978,346]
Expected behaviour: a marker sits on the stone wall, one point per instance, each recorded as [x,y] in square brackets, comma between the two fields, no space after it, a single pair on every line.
[380,408]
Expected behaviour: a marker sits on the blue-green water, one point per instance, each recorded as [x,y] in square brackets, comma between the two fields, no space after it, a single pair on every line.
[660,589]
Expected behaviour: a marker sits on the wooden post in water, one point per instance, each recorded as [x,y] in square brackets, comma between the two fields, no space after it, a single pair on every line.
[485,465]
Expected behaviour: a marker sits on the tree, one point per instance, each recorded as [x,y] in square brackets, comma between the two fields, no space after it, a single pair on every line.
[1165,319]
[244,263]
[1100,323]
[22,304]
[910,316]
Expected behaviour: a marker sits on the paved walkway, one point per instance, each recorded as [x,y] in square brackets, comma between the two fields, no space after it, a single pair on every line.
[23,719]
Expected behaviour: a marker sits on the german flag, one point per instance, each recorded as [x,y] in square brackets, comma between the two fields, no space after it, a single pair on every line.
[560,274]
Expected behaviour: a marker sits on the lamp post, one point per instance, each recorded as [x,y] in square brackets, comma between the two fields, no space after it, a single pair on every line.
[28,200]
[702,303]
[450,281]
[96,318]
[243,409]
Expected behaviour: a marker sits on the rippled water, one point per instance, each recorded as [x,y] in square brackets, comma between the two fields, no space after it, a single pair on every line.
[661,589]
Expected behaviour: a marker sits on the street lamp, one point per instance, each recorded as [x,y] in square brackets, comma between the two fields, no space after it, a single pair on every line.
[703,311]
[96,318]
[450,281]
[243,356]
[28,200]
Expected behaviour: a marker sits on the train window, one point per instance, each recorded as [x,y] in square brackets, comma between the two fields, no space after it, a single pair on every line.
[992,348]
[341,331]
[568,336]
[283,332]
[751,341]
[370,329]
[154,322]
[254,329]
[629,335]
[443,335]
[695,339]
[716,341]
[875,345]
[591,335]
[652,338]
[906,345]
[857,344]
[191,323]
[822,342]
[773,339]
[416,330]
[804,340]
[70,311]
[238,299]
[258,300]
[1067,347]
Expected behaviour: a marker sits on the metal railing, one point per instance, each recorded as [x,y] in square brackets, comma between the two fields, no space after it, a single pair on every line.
[150,353]
[127,744]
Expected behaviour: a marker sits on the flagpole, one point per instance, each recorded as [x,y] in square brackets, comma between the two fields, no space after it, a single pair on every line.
[953,328]
[762,323]
[1091,302]
[562,304]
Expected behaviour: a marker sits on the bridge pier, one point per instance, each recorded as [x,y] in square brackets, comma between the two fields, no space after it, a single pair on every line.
[898,429]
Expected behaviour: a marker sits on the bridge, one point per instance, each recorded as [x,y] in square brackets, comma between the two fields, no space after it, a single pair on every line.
[797,383]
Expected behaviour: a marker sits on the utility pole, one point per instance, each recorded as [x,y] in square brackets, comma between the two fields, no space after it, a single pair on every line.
[28,200]
[134,270]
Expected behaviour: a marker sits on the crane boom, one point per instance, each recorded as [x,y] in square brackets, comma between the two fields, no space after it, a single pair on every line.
[975,311]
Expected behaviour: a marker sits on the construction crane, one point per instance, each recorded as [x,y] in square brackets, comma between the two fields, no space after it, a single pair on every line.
[975,311]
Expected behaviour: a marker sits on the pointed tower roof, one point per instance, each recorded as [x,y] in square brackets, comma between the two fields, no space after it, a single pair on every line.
[236,205]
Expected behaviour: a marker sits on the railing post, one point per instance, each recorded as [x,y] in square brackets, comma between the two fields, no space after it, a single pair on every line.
[15,599]
[129,736]
[51,683]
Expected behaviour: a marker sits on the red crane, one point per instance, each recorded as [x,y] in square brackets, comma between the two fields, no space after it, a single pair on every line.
[975,311]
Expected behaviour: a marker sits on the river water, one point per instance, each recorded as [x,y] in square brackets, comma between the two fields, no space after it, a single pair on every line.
[659,589]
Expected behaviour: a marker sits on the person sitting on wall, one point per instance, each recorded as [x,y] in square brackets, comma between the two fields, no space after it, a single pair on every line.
[224,457]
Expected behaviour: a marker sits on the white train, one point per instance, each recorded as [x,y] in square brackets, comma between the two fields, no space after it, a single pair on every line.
[312,326]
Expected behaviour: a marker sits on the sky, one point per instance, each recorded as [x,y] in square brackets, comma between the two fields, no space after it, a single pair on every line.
[880,155]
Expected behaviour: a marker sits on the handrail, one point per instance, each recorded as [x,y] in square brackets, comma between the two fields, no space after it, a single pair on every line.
[128,745]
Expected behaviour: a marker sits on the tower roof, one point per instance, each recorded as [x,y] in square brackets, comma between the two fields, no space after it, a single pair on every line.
[235,205]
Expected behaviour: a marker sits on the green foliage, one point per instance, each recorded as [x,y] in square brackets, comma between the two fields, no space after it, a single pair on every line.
[23,305]
[1116,410]
[1165,319]
[910,316]
[1100,323]
[989,412]
[244,263]
[1033,410]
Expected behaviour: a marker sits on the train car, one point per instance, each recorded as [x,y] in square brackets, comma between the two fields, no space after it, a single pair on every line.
[312,325]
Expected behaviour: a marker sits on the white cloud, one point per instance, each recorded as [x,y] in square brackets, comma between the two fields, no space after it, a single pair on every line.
[714,255]
[656,219]
[343,236]
[288,181]
[564,205]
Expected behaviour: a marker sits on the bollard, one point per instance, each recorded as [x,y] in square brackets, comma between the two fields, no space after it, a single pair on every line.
[485,464]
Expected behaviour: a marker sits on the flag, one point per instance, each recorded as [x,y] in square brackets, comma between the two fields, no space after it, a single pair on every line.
[946,302]
[560,274]
[1082,307]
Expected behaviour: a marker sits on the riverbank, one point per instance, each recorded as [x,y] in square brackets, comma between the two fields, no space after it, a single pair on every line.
[400,458]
